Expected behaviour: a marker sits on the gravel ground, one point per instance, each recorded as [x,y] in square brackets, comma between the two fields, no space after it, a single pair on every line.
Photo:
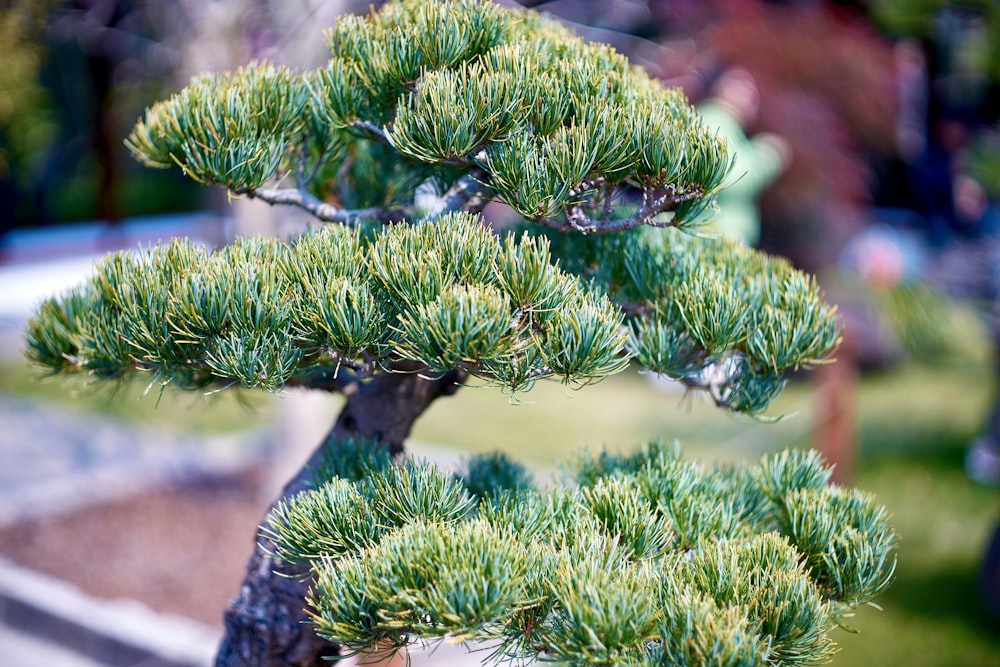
[180,550]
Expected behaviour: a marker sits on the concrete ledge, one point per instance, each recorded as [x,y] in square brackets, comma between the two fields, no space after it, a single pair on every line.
[117,633]
[55,460]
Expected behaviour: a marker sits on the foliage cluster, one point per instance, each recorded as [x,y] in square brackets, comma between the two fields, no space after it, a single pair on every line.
[340,305]
[487,104]
[644,559]
[551,125]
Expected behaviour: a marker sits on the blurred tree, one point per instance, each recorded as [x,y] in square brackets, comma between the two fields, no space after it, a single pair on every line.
[94,66]
[425,112]
[26,118]
[959,43]
[985,160]
[966,31]
[81,71]
[826,88]
[827,85]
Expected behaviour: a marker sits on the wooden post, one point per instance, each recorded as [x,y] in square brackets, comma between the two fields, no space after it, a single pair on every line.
[835,434]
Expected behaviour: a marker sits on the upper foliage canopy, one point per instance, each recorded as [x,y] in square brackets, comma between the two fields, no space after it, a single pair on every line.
[483,103]
[550,124]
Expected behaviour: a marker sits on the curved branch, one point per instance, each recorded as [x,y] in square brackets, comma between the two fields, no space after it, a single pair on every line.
[655,200]
[322,210]
[470,193]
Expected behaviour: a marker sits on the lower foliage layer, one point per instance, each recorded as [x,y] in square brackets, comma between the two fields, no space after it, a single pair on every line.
[641,560]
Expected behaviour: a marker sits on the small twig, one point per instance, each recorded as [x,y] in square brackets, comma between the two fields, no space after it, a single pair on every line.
[588,184]
[540,372]
[609,193]
[300,180]
[343,187]
[474,157]
[515,319]
[362,370]
[373,129]
[304,180]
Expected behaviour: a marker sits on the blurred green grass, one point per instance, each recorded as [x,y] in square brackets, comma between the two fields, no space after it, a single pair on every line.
[221,412]
[914,424]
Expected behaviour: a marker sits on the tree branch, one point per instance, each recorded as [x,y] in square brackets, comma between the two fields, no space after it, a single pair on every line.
[470,193]
[320,209]
[655,200]
[301,179]
[373,129]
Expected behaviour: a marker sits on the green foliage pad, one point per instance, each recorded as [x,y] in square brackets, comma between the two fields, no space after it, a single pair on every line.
[339,306]
[645,560]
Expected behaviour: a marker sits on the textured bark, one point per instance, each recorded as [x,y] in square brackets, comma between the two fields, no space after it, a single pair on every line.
[266,624]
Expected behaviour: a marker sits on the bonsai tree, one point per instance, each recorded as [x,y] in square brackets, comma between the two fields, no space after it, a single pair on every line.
[426,112]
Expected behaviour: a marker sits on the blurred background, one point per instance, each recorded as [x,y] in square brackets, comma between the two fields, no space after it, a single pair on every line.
[869,143]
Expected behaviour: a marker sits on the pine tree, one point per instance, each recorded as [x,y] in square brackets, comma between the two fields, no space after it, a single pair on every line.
[426,112]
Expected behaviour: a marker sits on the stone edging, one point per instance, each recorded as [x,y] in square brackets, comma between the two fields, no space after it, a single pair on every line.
[117,633]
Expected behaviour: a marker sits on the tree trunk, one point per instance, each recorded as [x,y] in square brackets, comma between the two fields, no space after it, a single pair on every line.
[266,624]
